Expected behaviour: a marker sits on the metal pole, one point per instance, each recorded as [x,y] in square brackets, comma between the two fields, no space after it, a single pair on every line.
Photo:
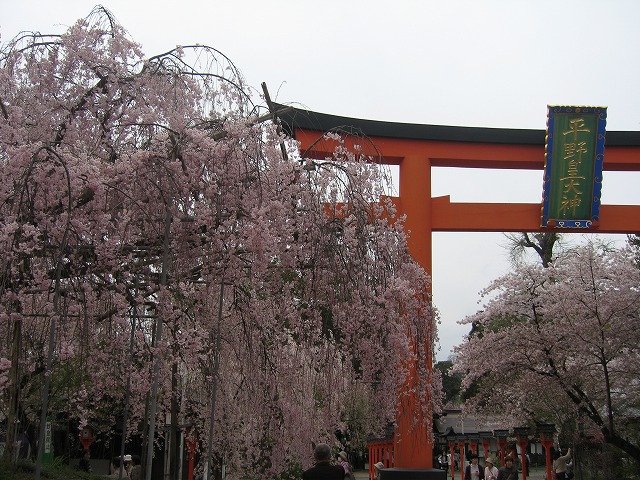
[127,394]
[156,365]
[52,326]
[216,368]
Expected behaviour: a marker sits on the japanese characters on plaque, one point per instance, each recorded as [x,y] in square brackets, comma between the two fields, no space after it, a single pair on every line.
[573,166]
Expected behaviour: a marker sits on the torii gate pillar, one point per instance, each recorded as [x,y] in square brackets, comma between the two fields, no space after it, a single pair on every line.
[412,447]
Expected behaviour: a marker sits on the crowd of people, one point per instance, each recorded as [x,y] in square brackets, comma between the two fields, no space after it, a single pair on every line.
[562,468]
[340,469]
[325,469]
[127,467]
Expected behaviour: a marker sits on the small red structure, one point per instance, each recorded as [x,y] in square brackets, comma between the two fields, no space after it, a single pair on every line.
[86,437]
[451,440]
[380,450]
[485,439]
[462,439]
[502,435]
[547,432]
[522,434]
[473,442]
[191,439]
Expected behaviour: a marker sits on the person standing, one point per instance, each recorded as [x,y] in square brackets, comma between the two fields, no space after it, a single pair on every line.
[473,471]
[323,470]
[490,471]
[25,446]
[443,460]
[343,461]
[118,469]
[509,471]
[135,472]
[377,468]
[560,464]
[569,474]
[84,464]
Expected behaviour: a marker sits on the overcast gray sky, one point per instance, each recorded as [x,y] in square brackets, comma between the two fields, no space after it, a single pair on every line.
[489,63]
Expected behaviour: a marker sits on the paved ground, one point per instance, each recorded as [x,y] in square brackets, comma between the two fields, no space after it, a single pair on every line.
[536,473]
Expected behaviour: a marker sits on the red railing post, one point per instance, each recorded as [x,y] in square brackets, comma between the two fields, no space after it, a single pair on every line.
[191,439]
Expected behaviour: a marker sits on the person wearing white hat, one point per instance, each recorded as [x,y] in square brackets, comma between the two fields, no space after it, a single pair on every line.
[117,465]
[377,468]
[490,470]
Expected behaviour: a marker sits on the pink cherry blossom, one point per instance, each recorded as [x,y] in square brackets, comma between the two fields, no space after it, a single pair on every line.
[559,342]
[291,310]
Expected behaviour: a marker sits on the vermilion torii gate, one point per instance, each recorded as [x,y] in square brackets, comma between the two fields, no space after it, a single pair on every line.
[417,148]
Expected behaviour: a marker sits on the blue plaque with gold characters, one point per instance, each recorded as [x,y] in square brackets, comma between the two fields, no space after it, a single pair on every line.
[573,166]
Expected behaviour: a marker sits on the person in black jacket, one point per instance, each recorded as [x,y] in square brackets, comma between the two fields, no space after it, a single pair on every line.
[509,471]
[84,464]
[473,471]
[323,469]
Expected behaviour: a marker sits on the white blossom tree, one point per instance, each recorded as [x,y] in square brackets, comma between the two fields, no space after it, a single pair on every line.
[559,337]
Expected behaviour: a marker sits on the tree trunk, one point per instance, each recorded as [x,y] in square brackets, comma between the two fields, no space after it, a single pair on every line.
[13,391]
[214,386]
[174,445]
[623,444]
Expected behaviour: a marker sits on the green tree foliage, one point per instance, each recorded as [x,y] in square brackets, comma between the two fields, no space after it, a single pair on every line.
[451,382]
